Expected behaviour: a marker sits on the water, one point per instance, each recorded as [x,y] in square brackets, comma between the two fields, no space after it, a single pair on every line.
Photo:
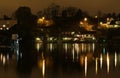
[67,60]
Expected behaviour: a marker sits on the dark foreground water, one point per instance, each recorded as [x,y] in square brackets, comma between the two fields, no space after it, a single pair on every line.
[67,60]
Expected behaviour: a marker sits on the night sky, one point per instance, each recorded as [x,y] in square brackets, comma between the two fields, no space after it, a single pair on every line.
[92,6]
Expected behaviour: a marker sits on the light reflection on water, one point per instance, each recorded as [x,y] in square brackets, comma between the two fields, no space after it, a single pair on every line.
[87,53]
[96,65]
[42,66]
[115,59]
[4,59]
[67,60]
[101,60]
[86,66]
[108,63]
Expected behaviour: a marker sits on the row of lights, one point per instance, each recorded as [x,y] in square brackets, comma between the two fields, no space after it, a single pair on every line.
[4,27]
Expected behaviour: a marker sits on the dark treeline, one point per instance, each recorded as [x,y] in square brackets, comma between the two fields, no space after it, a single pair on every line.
[56,10]
[68,18]
[64,19]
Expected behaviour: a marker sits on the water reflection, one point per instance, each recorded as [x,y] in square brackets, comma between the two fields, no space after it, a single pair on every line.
[42,66]
[4,58]
[101,61]
[86,66]
[115,59]
[96,65]
[108,63]
[73,54]
[65,60]
[87,53]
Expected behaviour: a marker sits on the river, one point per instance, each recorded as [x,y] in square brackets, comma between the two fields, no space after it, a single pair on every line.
[63,60]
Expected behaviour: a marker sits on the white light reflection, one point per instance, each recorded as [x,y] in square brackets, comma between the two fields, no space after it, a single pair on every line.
[17,52]
[1,57]
[66,47]
[115,59]
[93,47]
[104,50]
[21,55]
[101,60]
[42,65]
[51,46]
[73,53]
[108,63]
[82,47]
[7,56]
[4,60]
[17,41]
[85,65]
[43,68]
[37,46]
[96,65]
[77,49]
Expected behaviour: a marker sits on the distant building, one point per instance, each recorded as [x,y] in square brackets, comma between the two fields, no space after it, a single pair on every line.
[110,24]
[6,24]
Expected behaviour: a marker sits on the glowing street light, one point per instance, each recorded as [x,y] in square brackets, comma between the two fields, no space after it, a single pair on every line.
[96,16]
[41,20]
[85,19]
[81,23]
[4,26]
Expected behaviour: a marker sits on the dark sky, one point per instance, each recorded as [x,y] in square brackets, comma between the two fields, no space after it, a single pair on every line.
[92,6]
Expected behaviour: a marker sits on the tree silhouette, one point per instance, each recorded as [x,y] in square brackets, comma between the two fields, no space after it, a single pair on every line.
[51,11]
[118,16]
[25,27]
[66,19]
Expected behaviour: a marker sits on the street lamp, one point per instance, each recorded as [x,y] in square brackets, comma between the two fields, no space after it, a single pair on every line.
[85,19]
[96,17]
[41,20]
[4,26]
